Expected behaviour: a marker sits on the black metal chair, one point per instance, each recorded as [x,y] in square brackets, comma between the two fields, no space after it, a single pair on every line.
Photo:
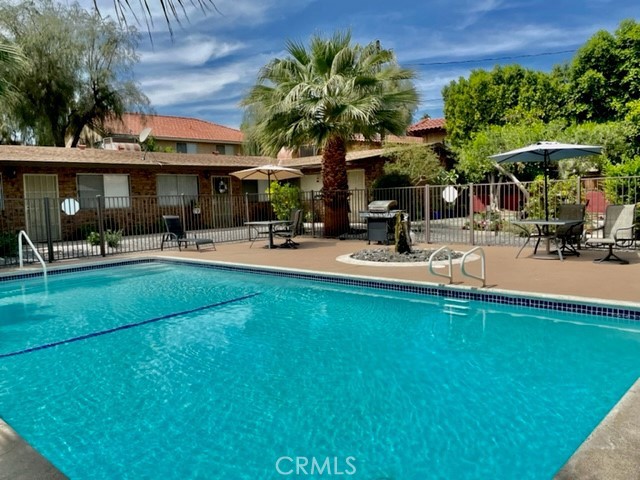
[568,237]
[290,230]
[175,233]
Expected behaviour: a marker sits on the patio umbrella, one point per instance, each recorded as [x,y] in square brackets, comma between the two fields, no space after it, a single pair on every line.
[267,172]
[546,152]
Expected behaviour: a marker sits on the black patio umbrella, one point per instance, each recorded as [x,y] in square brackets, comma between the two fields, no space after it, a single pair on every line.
[546,152]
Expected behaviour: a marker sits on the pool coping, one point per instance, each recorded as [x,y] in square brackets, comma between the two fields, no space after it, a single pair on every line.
[620,311]
[611,450]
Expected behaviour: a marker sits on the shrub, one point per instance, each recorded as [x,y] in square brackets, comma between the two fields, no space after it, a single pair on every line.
[93,238]
[284,198]
[8,244]
[111,237]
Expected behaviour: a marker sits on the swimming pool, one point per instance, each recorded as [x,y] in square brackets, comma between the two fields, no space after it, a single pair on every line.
[170,370]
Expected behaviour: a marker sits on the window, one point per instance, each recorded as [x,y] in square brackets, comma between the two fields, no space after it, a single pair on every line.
[114,189]
[1,194]
[224,149]
[307,151]
[183,147]
[170,188]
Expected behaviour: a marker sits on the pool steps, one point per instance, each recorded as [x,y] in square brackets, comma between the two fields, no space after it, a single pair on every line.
[456,306]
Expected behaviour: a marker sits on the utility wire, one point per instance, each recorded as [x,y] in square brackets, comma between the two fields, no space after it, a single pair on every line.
[512,57]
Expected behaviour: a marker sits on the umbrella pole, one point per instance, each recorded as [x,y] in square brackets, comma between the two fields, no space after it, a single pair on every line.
[269,195]
[546,196]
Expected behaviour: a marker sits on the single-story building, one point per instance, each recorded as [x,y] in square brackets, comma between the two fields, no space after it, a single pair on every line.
[145,183]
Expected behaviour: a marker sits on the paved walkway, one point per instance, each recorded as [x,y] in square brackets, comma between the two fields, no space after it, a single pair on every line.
[575,276]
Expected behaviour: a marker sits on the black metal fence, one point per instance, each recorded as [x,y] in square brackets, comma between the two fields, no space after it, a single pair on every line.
[476,214]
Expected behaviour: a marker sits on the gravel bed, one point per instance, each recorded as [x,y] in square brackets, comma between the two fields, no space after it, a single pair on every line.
[389,255]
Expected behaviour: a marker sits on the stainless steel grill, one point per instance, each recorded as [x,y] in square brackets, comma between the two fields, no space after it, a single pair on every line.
[382,206]
[380,218]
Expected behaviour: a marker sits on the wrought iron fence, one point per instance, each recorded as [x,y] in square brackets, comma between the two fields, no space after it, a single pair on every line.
[476,214]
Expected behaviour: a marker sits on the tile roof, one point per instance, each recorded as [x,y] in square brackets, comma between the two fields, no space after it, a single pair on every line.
[426,124]
[316,160]
[99,157]
[174,128]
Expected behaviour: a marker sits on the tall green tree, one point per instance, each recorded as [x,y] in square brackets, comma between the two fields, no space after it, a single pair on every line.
[605,75]
[474,161]
[80,69]
[500,96]
[324,95]
[419,162]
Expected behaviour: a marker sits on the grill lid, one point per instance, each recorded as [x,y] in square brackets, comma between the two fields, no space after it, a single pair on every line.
[382,205]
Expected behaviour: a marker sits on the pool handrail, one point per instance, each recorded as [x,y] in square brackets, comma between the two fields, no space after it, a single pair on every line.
[35,251]
[483,271]
[431,260]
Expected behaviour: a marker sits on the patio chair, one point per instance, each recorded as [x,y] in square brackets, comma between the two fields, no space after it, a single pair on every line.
[618,230]
[569,237]
[290,230]
[175,233]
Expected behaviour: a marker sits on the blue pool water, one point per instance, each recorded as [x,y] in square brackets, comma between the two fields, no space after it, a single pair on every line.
[262,367]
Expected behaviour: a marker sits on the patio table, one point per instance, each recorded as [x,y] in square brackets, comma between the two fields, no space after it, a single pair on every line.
[542,232]
[269,224]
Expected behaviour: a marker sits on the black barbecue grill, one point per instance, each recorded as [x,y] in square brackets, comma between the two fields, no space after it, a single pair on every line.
[381,219]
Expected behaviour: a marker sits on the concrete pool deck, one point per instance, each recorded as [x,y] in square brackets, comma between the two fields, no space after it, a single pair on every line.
[575,276]
[19,461]
[609,452]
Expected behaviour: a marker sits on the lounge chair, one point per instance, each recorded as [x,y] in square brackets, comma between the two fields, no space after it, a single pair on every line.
[568,237]
[290,230]
[618,230]
[175,233]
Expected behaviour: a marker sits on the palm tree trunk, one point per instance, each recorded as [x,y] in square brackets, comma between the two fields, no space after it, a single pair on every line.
[335,188]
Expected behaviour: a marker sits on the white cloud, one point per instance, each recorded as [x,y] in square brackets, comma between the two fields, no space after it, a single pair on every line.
[191,50]
[477,9]
[172,85]
[530,39]
[166,91]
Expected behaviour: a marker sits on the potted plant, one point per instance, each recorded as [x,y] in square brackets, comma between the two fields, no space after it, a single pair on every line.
[113,238]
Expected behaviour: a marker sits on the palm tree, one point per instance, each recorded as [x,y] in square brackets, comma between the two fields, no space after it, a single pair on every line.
[172,10]
[325,95]
[11,61]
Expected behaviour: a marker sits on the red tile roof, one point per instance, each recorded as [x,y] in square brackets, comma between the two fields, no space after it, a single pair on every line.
[70,157]
[426,124]
[174,128]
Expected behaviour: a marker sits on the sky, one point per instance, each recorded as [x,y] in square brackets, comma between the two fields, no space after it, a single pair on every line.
[213,58]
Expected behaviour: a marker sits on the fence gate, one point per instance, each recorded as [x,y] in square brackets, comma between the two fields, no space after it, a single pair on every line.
[37,188]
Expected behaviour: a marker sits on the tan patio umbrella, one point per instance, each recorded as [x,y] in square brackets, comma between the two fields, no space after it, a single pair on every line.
[546,152]
[267,172]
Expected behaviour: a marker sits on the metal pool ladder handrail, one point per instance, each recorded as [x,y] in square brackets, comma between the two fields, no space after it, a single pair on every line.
[433,256]
[35,251]
[483,271]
